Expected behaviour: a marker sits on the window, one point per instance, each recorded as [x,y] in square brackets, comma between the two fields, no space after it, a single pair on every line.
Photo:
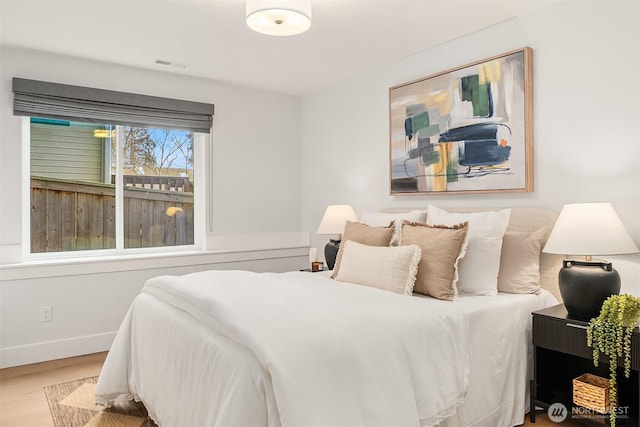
[77,171]
[158,182]
[122,182]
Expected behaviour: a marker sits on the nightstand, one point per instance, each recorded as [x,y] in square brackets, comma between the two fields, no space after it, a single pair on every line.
[560,354]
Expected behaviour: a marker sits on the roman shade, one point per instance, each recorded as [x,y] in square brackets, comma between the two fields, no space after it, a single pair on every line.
[60,101]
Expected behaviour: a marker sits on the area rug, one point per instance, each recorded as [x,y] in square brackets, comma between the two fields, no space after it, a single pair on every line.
[72,404]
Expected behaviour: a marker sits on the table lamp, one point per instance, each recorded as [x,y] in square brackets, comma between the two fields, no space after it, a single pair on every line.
[588,229]
[333,222]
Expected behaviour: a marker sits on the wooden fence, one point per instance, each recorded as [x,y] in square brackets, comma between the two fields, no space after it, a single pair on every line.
[70,215]
[156,182]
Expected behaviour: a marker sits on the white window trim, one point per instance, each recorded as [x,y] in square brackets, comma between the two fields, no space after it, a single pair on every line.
[119,193]
[202,169]
[26,187]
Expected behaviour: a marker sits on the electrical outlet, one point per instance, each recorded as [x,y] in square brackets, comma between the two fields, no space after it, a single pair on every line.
[45,313]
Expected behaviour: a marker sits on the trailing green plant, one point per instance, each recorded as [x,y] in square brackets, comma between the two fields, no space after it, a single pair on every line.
[610,334]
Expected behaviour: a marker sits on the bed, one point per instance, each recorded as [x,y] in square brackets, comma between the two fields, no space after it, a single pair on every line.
[274,349]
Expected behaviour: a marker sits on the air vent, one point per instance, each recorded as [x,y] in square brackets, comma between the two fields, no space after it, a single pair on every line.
[171,64]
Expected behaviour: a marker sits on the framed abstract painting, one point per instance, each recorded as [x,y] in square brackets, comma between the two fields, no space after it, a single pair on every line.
[464,130]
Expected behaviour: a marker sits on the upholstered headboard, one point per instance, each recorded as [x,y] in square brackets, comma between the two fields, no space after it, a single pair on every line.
[525,219]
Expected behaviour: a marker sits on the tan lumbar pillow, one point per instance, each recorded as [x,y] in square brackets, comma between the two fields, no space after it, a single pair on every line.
[391,268]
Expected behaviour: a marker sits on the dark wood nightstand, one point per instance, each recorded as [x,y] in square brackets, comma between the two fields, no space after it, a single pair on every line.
[560,354]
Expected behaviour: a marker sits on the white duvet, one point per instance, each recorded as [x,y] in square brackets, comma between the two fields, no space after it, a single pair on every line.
[334,354]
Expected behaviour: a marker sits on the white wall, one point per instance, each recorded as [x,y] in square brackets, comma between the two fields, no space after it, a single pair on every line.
[268,188]
[256,198]
[586,119]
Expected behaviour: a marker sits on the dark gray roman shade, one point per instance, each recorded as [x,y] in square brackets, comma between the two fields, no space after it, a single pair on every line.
[83,104]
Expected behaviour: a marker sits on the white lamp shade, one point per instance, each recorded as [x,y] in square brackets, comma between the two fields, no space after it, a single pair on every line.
[335,218]
[279,17]
[589,229]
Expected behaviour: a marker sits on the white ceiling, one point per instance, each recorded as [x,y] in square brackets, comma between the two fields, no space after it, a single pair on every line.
[346,38]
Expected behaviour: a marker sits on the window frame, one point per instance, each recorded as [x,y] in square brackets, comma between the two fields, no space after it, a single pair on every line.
[200,165]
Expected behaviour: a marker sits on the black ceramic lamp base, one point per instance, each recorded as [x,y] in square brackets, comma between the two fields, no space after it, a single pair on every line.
[585,285]
[331,252]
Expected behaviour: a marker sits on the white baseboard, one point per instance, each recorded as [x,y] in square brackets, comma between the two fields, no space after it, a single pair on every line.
[52,350]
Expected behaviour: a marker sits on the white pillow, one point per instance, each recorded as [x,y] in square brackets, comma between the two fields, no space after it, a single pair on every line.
[383,219]
[481,264]
[391,268]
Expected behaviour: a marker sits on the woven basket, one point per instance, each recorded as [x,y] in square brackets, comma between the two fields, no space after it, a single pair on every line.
[592,392]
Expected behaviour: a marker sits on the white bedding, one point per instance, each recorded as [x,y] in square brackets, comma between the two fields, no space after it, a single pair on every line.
[281,361]
[501,358]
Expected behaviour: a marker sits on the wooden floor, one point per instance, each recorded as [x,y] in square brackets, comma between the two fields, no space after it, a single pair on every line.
[23,403]
[22,399]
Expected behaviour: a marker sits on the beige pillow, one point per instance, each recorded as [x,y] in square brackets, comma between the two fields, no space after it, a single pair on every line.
[362,233]
[442,248]
[390,268]
[520,261]
[378,219]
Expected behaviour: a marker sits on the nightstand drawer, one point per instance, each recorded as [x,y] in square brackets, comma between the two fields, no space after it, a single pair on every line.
[561,335]
[570,337]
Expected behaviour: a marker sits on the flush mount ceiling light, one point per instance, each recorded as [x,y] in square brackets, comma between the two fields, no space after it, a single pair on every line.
[279,17]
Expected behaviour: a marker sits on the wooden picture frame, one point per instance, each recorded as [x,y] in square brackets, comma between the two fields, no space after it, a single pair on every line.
[465,130]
